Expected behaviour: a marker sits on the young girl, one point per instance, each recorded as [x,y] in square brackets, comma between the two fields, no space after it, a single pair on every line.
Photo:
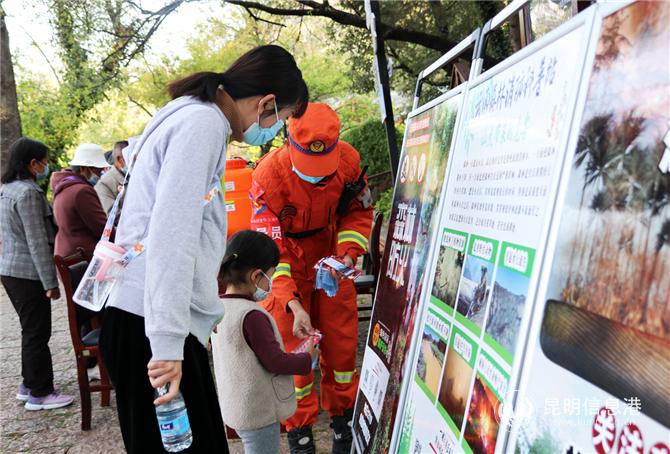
[255,383]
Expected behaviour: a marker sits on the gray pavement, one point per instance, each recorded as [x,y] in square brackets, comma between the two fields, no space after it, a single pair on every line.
[59,431]
[52,431]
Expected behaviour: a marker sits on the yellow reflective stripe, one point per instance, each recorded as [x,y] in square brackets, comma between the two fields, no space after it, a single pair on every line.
[301,393]
[353,236]
[283,269]
[343,377]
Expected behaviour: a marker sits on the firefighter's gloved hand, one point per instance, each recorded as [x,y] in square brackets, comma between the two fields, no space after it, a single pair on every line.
[326,281]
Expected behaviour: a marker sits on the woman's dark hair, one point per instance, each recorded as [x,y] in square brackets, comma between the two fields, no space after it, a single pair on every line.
[247,251]
[262,71]
[21,153]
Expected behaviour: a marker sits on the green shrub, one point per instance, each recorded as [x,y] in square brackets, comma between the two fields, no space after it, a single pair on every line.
[369,139]
[384,202]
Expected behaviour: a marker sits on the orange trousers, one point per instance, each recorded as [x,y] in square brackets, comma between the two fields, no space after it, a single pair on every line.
[337,319]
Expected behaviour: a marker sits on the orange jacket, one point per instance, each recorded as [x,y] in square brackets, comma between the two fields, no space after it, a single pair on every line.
[285,205]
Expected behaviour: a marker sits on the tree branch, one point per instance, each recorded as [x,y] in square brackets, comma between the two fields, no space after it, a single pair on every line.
[139,104]
[387,32]
[260,19]
[39,48]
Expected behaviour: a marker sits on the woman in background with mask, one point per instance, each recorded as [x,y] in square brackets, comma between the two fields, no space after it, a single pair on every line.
[160,315]
[27,270]
[253,372]
[77,207]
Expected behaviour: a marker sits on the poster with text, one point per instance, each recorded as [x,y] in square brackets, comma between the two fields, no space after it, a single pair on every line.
[417,196]
[598,378]
[500,192]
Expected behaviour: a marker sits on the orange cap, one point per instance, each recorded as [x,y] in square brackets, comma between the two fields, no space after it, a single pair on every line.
[314,139]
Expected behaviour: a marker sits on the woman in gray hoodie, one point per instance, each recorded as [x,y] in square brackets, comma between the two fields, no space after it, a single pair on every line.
[162,311]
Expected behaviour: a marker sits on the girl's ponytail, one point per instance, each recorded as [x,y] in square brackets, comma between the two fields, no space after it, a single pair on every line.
[247,251]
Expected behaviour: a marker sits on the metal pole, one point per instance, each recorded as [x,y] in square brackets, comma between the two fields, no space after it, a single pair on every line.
[380,63]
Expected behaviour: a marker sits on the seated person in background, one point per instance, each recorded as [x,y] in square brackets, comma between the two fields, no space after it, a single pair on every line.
[76,205]
[110,183]
[79,215]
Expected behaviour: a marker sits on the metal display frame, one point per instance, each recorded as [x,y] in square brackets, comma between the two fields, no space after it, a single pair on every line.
[447,58]
[516,7]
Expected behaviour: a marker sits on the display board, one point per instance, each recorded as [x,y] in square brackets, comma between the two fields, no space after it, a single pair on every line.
[417,194]
[542,306]
[500,191]
[596,377]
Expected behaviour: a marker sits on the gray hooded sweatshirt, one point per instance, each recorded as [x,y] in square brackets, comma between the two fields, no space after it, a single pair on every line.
[172,284]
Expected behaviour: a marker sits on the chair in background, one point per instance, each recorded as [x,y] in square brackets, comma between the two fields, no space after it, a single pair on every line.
[70,271]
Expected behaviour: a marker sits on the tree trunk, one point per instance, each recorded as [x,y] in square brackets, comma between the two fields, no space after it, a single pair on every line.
[10,122]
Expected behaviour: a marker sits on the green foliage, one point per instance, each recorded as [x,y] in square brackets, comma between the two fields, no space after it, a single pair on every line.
[99,98]
[385,202]
[45,116]
[112,120]
[217,44]
[452,20]
[370,140]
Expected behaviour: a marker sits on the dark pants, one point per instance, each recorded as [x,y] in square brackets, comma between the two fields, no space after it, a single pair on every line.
[126,352]
[34,310]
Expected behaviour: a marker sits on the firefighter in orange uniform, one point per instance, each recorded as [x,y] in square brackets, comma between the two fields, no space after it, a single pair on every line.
[311,196]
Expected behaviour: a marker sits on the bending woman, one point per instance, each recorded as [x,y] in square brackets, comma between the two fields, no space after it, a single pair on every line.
[161,314]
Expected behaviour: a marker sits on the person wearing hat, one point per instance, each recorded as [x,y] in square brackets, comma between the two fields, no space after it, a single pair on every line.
[76,205]
[301,196]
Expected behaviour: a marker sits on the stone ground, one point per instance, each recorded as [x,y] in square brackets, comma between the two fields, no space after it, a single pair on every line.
[58,431]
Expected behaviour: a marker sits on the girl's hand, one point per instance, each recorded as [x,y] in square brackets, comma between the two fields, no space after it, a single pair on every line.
[160,374]
[302,324]
[313,350]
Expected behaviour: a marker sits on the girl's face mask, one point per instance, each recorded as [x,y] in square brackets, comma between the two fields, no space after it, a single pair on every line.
[260,294]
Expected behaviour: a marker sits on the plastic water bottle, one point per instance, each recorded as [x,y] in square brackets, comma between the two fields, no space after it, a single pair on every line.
[173,422]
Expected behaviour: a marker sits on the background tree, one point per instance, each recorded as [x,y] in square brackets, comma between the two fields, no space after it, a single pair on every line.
[96,41]
[10,122]
[103,73]
[416,32]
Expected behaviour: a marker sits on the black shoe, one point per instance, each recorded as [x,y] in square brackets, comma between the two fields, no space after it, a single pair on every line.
[342,436]
[301,441]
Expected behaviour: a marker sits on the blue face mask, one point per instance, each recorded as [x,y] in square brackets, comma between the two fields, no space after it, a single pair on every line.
[43,174]
[260,294]
[256,135]
[326,282]
[93,179]
[307,178]
[124,171]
